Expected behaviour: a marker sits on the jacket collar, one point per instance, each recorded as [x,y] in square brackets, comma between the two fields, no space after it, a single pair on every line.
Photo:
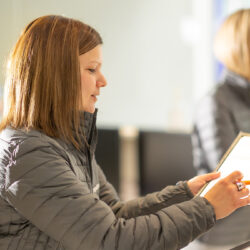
[235,80]
[87,133]
[88,123]
[240,85]
[88,129]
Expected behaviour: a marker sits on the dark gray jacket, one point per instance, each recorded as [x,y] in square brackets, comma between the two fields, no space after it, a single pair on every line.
[218,119]
[56,197]
[220,116]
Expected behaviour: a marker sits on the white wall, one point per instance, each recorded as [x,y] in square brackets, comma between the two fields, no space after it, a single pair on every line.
[148,65]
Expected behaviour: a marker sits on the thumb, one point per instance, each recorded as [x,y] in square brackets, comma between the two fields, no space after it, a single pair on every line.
[211,176]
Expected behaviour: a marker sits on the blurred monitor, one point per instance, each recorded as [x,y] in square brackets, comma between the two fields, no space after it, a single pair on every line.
[165,158]
[107,154]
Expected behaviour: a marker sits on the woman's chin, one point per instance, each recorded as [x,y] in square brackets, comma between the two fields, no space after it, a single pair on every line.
[89,109]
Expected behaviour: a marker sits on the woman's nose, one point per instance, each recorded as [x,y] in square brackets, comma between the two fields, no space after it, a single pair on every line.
[102,81]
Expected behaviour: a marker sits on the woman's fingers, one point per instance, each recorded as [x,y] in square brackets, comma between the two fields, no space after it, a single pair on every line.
[234,176]
[225,196]
[211,176]
[243,192]
[196,183]
[245,201]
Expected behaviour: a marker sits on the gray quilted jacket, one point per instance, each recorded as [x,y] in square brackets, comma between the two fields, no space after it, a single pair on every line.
[220,116]
[56,197]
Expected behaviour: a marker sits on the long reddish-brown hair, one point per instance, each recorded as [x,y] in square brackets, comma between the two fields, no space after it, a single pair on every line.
[43,89]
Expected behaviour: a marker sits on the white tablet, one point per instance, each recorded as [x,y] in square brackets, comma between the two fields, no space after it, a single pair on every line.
[237,157]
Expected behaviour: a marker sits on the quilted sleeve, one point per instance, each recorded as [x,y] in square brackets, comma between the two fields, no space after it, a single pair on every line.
[151,203]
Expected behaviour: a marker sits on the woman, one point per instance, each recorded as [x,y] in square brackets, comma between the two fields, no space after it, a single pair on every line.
[222,114]
[53,193]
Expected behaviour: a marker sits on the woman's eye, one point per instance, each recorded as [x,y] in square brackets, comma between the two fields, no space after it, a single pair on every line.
[92,70]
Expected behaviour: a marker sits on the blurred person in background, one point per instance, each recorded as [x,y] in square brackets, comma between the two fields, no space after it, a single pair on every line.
[222,114]
[53,194]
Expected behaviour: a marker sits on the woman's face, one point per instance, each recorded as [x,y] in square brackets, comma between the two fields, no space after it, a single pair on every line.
[91,78]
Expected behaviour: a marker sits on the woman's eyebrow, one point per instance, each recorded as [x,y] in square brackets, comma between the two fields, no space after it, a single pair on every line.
[96,61]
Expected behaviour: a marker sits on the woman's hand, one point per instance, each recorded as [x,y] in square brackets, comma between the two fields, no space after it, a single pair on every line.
[225,196]
[195,184]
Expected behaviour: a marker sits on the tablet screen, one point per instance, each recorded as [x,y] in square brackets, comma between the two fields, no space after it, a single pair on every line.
[236,158]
